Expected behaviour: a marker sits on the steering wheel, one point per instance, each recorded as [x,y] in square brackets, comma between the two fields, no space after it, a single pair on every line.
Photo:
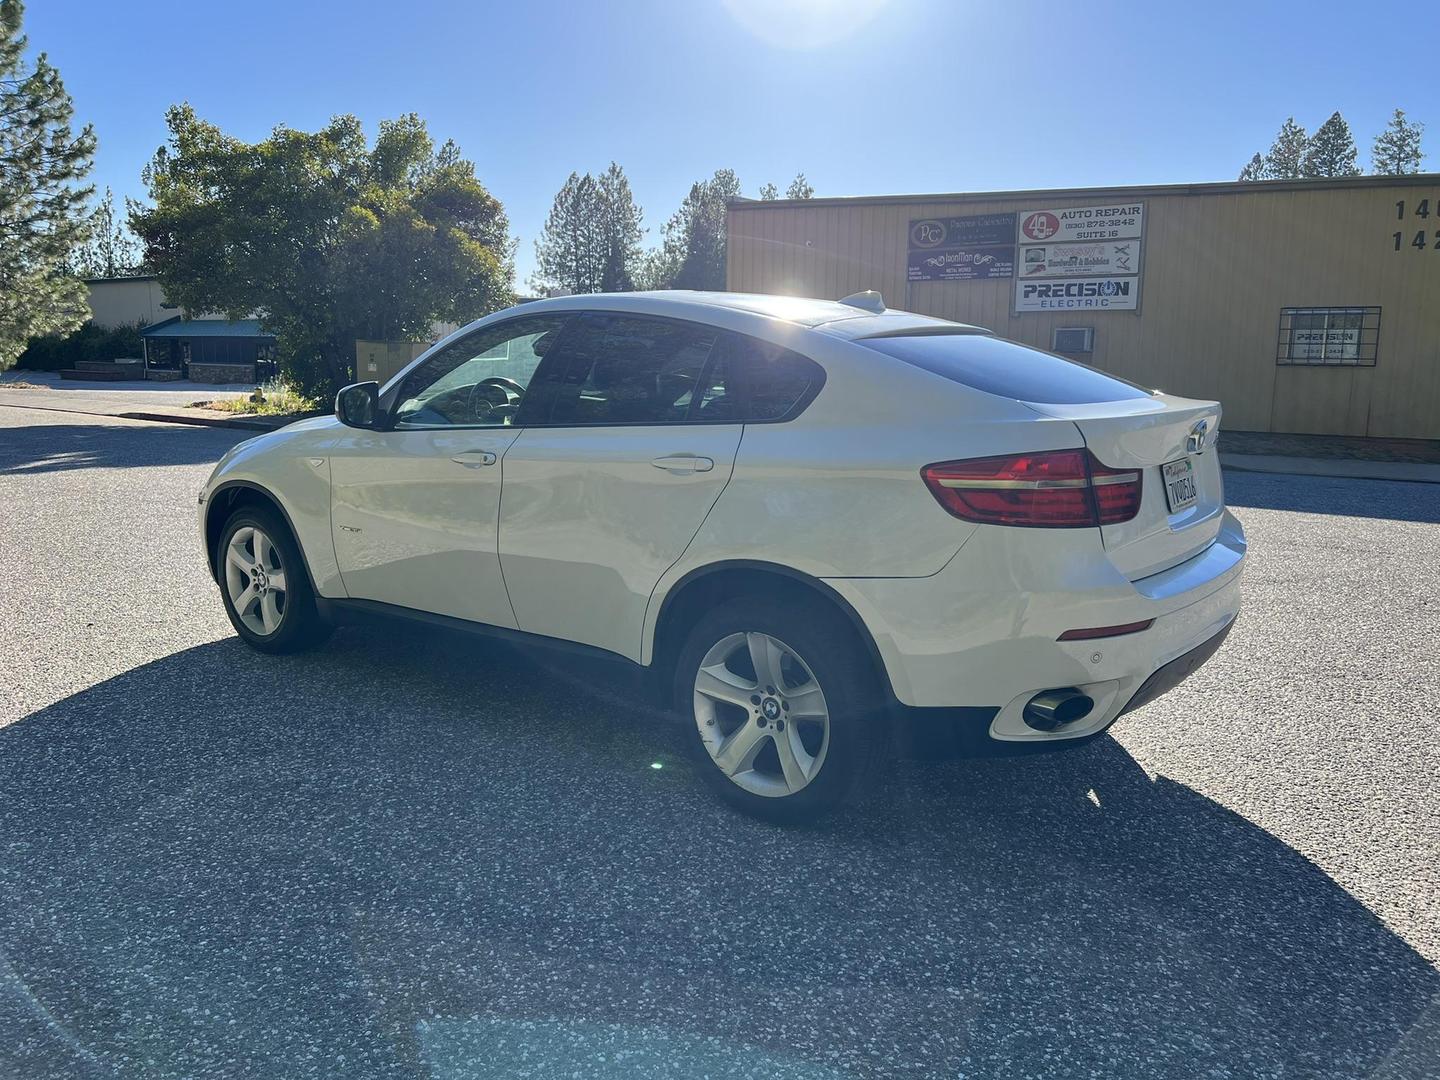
[510,386]
[494,397]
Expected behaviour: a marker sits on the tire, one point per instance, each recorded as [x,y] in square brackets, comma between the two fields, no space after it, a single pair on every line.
[823,668]
[273,619]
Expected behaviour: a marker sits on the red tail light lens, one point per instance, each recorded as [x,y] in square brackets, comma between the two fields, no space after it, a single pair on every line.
[1056,489]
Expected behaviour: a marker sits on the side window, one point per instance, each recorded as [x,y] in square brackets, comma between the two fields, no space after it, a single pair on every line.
[480,380]
[753,380]
[627,369]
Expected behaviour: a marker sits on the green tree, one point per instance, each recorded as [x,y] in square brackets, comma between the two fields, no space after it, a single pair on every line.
[1397,151]
[112,250]
[325,237]
[1254,170]
[42,219]
[620,231]
[769,193]
[692,253]
[800,188]
[1286,157]
[591,239]
[1331,150]
[569,252]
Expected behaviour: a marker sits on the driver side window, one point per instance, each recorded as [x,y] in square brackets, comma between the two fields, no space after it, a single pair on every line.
[479,380]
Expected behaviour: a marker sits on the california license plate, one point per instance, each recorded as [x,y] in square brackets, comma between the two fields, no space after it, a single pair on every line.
[1180,489]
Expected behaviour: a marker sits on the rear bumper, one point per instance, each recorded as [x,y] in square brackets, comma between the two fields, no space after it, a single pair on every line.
[983,632]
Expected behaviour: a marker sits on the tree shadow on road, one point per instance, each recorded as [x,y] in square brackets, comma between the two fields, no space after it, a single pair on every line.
[410,854]
[116,444]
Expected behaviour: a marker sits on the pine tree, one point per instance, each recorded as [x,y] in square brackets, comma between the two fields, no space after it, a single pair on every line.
[112,250]
[42,219]
[769,193]
[1254,170]
[620,231]
[1286,158]
[1331,151]
[1397,149]
[692,253]
[570,251]
[799,188]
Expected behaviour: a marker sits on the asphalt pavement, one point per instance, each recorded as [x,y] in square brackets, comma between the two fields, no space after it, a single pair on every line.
[416,855]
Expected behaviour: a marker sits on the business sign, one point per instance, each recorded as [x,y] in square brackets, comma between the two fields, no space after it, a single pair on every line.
[1075,223]
[961,248]
[961,264]
[1089,294]
[1110,258]
[1325,345]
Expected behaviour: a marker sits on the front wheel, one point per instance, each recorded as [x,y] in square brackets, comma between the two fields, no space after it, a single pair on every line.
[781,703]
[265,586]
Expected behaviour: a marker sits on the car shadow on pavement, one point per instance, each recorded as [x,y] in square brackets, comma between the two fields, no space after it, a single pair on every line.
[118,444]
[410,854]
[1397,500]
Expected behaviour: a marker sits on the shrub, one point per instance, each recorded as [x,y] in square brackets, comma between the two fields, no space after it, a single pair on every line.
[55,353]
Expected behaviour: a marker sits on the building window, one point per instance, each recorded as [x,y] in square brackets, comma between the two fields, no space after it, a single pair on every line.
[1329,336]
[1073,340]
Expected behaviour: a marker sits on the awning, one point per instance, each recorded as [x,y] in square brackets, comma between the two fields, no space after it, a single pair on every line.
[197,328]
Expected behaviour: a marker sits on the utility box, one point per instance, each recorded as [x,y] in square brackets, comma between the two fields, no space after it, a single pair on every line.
[382,360]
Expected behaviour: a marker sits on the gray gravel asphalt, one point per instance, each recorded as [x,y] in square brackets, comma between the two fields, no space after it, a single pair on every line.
[415,855]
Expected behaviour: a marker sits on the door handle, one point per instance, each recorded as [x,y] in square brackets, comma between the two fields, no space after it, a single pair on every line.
[474,459]
[684,463]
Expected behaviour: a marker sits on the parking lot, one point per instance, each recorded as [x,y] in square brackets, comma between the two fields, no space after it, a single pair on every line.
[412,854]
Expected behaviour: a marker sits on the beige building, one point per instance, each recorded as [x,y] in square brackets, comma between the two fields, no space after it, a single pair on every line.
[1304,306]
[126,301]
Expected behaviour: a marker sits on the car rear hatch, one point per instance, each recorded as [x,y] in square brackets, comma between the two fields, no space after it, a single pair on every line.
[1176,520]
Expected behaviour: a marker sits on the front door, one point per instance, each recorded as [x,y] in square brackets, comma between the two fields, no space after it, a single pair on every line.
[415,509]
[605,494]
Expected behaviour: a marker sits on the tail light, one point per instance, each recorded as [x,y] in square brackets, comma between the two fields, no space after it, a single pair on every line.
[1056,489]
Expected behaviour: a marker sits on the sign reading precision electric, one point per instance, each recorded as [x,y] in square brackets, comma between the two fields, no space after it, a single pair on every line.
[961,248]
[1080,258]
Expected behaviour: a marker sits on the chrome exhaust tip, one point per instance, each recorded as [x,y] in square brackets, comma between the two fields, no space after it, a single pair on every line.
[1054,709]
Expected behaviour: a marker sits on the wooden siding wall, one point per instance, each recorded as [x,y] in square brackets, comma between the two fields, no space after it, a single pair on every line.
[1218,267]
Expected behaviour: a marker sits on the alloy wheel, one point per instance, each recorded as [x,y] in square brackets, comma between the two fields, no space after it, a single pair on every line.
[255,580]
[761,714]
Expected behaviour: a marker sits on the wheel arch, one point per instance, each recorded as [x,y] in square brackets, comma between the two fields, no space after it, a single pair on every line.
[234,495]
[700,589]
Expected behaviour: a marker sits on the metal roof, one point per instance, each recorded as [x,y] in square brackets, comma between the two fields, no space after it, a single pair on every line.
[195,328]
[1041,196]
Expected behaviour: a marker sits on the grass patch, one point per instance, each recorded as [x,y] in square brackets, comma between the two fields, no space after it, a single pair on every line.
[274,398]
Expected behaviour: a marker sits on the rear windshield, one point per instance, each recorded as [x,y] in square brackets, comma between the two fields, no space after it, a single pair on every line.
[1006,368]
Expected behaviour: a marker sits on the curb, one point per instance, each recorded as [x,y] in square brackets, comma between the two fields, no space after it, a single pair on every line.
[236,423]
[1232,466]
[254,424]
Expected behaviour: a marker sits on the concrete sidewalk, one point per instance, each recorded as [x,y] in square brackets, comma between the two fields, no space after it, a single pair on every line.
[1343,468]
[170,403]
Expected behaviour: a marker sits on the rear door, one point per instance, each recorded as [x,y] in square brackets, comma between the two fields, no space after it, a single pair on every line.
[605,492]
[1180,508]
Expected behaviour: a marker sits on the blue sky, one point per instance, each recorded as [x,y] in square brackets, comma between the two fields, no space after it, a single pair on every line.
[865,96]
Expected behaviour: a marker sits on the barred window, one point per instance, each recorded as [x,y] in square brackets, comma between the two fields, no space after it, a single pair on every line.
[1328,336]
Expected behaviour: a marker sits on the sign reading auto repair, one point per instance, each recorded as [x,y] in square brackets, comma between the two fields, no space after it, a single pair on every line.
[1093,250]
[961,248]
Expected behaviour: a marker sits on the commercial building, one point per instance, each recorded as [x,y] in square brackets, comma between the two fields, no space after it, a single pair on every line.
[1303,306]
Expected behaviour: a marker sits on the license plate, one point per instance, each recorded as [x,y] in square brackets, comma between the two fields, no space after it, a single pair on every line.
[1180,489]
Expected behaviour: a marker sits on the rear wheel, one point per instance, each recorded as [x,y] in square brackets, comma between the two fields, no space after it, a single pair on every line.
[781,706]
[265,587]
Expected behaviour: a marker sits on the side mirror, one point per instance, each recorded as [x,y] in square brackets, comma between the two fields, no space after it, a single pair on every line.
[358,405]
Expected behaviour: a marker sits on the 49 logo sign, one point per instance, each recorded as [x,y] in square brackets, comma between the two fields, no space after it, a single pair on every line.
[1041,225]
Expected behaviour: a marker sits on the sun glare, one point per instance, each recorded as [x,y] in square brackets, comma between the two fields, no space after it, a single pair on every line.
[803,24]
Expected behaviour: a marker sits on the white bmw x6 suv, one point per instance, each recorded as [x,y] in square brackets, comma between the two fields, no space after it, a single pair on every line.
[804,518]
